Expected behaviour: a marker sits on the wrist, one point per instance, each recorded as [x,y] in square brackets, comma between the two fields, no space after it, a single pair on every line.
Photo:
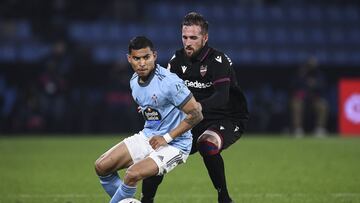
[167,138]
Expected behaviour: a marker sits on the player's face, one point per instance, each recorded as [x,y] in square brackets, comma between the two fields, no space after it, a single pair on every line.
[142,61]
[193,40]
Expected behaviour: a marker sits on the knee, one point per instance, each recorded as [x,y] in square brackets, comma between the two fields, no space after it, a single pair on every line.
[207,148]
[209,145]
[132,177]
[100,167]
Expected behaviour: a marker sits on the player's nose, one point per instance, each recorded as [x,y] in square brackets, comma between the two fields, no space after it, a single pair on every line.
[142,62]
[187,43]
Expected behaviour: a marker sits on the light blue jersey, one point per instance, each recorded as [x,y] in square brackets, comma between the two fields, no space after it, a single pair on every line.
[160,100]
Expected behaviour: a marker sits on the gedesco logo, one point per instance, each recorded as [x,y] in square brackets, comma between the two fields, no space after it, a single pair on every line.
[352,108]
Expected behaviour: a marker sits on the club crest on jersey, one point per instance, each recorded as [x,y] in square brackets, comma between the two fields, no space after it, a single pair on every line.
[154,98]
[151,114]
[203,70]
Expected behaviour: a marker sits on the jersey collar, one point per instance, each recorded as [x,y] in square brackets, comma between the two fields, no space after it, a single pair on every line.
[203,53]
[152,73]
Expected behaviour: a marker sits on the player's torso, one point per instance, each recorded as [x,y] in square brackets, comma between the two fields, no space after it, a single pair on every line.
[152,99]
[198,76]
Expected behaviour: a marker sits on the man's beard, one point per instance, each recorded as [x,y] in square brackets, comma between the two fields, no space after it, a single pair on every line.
[194,54]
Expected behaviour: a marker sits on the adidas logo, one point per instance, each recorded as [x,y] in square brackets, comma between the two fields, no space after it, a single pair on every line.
[161,157]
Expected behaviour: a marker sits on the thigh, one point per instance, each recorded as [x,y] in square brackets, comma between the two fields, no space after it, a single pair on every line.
[145,168]
[116,158]
[229,131]
[167,158]
[138,147]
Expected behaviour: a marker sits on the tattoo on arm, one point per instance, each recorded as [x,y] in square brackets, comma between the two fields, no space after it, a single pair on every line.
[194,117]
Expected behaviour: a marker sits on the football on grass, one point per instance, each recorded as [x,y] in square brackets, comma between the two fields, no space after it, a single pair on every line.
[129,200]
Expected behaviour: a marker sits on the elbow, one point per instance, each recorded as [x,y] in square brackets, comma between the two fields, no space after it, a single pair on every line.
[222,102]
[216,101]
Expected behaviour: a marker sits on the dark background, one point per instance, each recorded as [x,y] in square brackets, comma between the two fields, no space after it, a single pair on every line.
[63,65]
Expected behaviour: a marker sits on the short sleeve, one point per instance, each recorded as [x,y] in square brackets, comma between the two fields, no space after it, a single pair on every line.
[178,93]
[221,70]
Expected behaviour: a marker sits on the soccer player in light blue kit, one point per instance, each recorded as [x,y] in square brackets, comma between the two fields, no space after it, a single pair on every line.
[169,110]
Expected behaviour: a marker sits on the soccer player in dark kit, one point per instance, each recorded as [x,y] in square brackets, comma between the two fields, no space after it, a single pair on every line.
[209,75]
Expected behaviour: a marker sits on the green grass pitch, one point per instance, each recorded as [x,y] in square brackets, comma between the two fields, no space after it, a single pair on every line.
[260,169]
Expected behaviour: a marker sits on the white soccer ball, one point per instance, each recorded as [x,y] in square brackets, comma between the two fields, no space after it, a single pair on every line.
[129,200]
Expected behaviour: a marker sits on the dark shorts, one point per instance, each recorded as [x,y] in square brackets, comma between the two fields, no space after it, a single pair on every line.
[229,131]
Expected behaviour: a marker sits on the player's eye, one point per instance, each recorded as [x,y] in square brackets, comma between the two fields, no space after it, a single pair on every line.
[136,58]
[194,37]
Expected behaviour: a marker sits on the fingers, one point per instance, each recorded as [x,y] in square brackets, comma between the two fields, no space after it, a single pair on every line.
[153,143]
[156,142]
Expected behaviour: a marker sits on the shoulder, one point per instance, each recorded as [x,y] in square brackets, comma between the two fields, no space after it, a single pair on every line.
[219,57]
[169,81]
[134,76]
[160,72]
[133,79]
[165,75]
[176,58]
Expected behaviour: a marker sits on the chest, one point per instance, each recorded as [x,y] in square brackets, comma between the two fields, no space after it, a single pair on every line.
[198,71]
[150,96]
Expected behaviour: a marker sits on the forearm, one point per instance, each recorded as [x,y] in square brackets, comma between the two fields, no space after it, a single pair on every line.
[193,117]
[219,98]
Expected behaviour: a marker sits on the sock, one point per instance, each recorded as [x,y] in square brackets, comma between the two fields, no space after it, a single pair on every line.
[124,191]
[110,183]
[149,188]
[215,167]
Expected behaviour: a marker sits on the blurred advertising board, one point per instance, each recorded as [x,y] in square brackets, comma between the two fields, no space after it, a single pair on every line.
[349,107]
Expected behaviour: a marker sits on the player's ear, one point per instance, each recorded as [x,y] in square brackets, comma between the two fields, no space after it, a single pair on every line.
[155,55]
[128,56]
[206,37]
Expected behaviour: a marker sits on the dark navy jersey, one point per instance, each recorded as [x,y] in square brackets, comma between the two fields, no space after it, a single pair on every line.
[212,80]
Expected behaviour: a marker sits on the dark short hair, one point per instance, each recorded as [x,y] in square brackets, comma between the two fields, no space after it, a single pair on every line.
[140,42]
[194,18]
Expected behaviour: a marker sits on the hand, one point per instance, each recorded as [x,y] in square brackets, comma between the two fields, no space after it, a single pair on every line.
[157,141]
[138,109]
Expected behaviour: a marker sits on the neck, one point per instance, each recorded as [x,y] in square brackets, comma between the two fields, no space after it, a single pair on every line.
[144,79]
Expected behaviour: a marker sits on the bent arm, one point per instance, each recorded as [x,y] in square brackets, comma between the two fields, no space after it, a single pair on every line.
[193,117]
[220,96]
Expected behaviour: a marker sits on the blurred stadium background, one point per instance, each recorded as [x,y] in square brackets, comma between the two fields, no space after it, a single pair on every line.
[64,70]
